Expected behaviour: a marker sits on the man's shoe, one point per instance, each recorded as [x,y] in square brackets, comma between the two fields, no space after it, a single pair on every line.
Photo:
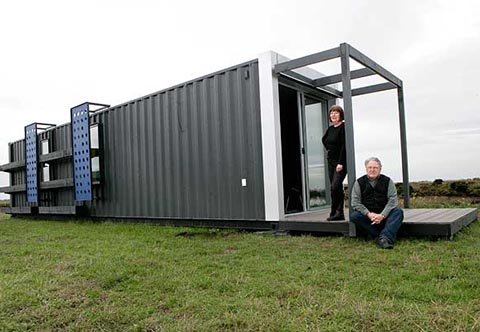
[336,216]
[384,243]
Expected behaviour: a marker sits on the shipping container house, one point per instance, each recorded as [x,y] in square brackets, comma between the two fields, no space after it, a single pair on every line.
[240,147]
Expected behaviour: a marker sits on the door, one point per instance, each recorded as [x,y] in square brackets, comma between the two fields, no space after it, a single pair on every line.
[314,158]
[302,119]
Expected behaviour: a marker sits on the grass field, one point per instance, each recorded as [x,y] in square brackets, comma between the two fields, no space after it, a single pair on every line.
[84,276]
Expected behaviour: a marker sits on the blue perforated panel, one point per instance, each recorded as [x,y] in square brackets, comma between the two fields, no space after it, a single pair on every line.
[81,153]
[31,163]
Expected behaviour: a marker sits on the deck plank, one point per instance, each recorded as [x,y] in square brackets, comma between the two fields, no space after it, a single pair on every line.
[428,222]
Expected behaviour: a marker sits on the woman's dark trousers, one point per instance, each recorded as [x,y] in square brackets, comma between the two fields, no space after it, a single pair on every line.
[336,188]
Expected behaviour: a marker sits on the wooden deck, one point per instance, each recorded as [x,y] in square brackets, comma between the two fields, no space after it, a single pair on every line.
[417,222]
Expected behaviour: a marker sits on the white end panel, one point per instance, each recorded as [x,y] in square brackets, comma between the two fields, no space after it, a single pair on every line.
[271,137]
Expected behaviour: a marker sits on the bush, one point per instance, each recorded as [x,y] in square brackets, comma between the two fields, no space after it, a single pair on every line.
[399,187]
[439,187]
[474,190]
[459,187]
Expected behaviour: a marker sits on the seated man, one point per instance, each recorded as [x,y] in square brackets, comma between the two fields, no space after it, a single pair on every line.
[374,204]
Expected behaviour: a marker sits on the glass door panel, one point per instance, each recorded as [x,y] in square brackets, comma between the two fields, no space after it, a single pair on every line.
[314,154]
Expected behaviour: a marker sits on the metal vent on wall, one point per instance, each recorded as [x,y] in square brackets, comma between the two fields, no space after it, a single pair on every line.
[82,166]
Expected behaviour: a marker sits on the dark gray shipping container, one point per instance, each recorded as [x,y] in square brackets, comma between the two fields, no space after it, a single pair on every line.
[242,145]
[180,153]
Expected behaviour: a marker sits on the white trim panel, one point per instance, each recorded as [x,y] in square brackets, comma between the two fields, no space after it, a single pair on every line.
[271,138]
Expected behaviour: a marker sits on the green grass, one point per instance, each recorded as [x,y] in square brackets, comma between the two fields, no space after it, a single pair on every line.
[83,276]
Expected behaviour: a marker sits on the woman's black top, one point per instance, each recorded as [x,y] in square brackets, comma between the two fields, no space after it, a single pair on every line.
[334,142]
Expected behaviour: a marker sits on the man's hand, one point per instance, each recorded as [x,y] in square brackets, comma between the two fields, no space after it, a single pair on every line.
[339,167]
[376,218]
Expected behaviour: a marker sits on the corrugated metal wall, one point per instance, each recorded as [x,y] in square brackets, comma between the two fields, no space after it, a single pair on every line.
[17,153]
[180,153]
[183,152]
[60,139]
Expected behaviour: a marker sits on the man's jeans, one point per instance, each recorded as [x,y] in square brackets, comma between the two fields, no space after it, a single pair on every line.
[387,228]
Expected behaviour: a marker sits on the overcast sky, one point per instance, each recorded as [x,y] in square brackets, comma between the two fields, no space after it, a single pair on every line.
[56,55]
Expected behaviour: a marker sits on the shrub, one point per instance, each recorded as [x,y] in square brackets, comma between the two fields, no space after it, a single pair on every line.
[399,187]
[474,190]
[459,187]
[437,182]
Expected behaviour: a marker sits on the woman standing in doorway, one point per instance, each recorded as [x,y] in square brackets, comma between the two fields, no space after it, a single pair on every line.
[334,142]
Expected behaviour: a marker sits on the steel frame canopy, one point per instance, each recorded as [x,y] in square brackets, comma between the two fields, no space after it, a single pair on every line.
[345,52]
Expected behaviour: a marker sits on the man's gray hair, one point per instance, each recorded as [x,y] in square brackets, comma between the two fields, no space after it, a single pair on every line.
[373,159]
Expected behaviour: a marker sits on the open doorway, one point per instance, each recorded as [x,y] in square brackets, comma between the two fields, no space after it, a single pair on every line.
[302,120]
[291,150]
